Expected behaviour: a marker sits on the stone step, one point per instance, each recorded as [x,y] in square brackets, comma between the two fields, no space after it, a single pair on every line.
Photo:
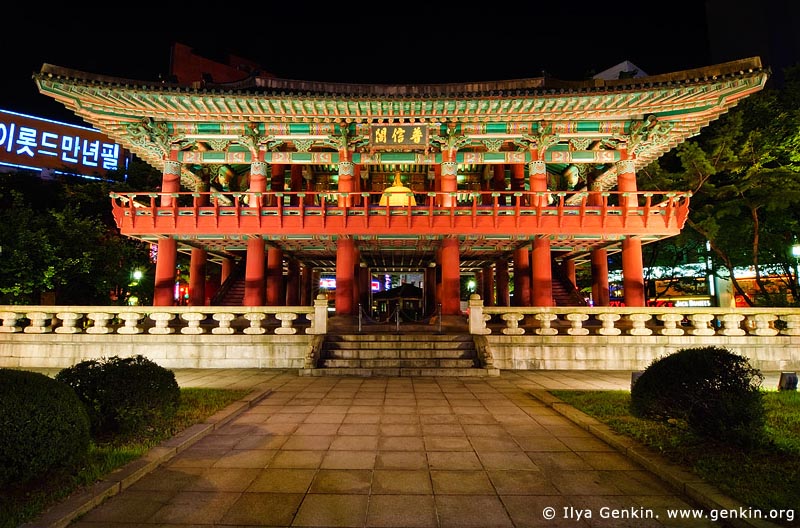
[398,345]
[399,355]
[363,353]
[398,363]
[401,338]
[394,372]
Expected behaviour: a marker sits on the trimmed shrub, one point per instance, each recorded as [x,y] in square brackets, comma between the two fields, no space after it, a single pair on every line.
[123,395]
[712,390]
[43,426]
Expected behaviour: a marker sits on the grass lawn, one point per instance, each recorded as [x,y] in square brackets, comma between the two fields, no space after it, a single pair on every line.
[767,477]
[20,504]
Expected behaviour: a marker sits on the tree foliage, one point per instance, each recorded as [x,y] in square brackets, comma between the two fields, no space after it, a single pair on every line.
[744,173]
[58,237]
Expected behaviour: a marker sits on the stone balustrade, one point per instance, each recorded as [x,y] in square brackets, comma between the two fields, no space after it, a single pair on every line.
[645,321]
[564,337]
[186,320]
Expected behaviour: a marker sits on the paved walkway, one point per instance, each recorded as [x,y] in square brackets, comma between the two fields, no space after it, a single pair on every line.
[395,452]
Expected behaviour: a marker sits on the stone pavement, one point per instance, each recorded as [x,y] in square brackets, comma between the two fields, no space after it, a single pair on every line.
[395,452]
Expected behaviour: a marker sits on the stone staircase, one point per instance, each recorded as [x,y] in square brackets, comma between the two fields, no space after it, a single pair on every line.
[404,354]
[564,292]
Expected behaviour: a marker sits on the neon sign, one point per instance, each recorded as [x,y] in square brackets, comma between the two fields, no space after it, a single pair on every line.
[35,143]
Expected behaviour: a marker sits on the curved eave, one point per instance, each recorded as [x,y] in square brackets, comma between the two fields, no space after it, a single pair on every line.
[690,100]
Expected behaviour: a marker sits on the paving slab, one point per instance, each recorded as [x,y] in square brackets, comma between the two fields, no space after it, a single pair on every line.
[389,452]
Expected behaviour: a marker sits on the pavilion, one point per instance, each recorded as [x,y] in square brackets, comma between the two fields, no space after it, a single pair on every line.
[283,178]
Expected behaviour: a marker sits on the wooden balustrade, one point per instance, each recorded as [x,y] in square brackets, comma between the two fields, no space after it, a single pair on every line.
[468,211]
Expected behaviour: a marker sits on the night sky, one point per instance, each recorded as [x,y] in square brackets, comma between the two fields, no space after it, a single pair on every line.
[397,43]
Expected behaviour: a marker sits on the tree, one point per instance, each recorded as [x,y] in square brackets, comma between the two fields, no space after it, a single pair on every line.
[59,237]
[744,174]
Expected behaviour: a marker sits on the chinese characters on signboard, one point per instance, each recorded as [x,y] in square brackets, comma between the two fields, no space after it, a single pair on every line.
[31,142]
[399,136]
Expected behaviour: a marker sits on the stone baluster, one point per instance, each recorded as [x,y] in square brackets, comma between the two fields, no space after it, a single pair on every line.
[512,323]
[193,323]
[576,327]
[286,319]
[639,324]
[732,325]
[607,326]
[69,323]
[792,324]
[701,324]
[224,327]
[255,319]
[671,324]
[477,319]
[544,324]
[162,320]
[319,320]
[100,322]
[38,323]
[10,322]
[763,326]
[131,320]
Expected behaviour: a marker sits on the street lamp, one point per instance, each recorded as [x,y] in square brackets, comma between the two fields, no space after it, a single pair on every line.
[796,256]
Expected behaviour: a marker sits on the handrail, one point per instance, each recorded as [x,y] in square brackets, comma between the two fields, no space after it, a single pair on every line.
[427,202]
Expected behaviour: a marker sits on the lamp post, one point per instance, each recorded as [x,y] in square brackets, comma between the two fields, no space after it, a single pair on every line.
[796,256]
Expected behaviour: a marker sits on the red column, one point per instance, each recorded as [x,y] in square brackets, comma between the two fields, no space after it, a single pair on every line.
[626,182]
[277,181]
[254,273]
[275,291]
[486,186]
[451,277]
[437,185]
[166,258]
[632,268]
[479,283]
[518,183]
[293,283]
[305,285]
[296,182]
[254,267]
[227,267]
[499,178]
[430,290]
[633,272]
[346,183]
[501,282]
[197,277]
[164,292]
[522,278]
[310,188]
[569,271]
[357,183]
[345,257]
[170,181]
[600,295]
[538,178]
[488,286]
[542,273]
[448,180]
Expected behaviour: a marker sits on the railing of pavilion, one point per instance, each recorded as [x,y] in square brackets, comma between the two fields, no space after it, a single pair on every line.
[164,320]
[632,321]
[598,207]
[481,320]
